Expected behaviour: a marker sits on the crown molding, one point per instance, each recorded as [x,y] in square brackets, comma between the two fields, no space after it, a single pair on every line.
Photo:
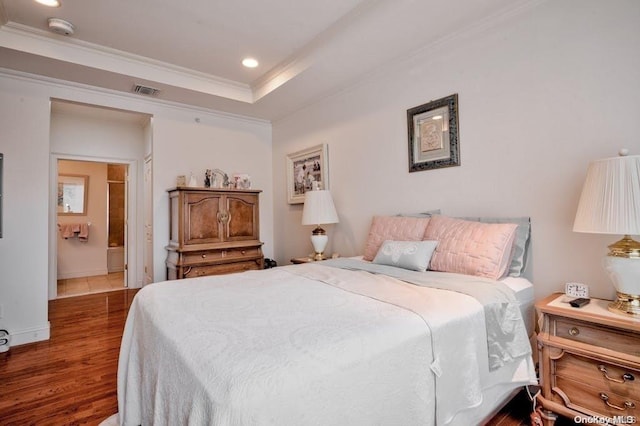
[26,39]
[134,101]
[309,54]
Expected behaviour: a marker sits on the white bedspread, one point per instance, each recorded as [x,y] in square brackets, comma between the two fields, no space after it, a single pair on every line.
[304,345]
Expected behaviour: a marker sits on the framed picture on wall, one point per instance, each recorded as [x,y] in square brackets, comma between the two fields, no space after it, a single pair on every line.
[303,169]
[433,134]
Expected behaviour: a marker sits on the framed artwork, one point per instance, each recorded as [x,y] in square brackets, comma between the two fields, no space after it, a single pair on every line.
[433,134]
[304,168]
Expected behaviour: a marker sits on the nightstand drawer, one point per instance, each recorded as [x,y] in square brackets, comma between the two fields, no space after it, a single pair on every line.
[607,377]
[592,334]
[578,396]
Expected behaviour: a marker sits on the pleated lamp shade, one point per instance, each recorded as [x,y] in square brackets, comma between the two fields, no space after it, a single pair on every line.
[318,208]
[610,200]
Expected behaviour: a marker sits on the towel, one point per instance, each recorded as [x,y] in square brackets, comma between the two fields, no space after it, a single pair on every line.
[72,230]
[83,233]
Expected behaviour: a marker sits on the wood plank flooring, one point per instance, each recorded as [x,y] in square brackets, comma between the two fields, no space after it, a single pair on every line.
[71,378]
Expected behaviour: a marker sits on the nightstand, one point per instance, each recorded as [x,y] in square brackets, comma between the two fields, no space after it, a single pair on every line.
[309,258]
[298,260]
[589,362]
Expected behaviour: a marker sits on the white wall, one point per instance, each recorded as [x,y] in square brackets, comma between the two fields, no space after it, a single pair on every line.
[540,95]
[24,141]
[77,258]
[231,143]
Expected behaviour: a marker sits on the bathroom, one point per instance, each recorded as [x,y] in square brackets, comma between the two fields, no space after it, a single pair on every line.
[94,262]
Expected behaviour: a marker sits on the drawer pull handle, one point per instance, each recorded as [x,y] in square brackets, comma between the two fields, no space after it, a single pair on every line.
[627,404]
[574,331]
[625,377]
[204,256]
[223,217]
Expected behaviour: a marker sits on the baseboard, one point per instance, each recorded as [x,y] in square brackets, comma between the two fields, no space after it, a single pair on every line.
[81,274]
[30,335]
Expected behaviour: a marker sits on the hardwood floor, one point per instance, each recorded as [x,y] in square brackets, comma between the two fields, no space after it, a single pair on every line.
[71,378]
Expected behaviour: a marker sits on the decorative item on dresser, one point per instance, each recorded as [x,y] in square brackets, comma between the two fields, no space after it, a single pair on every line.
[589,362]
[212,232]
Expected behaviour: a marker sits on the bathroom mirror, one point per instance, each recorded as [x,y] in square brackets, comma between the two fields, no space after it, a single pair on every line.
[73,191]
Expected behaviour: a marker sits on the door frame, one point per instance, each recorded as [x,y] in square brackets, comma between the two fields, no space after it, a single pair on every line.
[133,269]
[147,221]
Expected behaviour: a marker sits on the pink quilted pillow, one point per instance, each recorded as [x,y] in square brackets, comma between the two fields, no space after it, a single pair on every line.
[472,248]
[396,228]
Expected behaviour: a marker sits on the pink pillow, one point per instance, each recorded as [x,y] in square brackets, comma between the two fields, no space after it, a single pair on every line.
[396,228]
[472,248]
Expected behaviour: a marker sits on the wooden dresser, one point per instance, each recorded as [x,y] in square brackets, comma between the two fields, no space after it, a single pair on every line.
[589,362]
[212,232]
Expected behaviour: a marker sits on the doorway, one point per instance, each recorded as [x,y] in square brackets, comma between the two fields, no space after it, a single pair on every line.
[101,135]
[92,232]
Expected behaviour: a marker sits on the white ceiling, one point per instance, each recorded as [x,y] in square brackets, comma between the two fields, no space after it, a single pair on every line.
[192,50]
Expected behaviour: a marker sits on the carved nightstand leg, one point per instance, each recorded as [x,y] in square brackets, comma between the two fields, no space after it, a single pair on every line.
[547,417]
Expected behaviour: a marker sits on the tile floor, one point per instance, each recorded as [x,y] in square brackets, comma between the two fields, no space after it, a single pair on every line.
[93,284]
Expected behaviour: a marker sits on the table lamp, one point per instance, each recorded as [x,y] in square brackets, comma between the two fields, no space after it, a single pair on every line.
[319,210]
[610,204]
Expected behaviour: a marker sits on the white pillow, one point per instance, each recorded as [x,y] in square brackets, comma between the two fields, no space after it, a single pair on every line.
[413,255]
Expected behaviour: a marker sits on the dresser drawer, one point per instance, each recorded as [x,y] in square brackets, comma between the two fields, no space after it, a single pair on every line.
[224,268]
[592,399]
[207,256]
[592,334]
[609,378]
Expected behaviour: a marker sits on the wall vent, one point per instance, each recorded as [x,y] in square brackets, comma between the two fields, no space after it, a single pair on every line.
[145,90]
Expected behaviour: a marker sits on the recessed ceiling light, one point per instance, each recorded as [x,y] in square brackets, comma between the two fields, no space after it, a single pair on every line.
[50,3]
[249,62]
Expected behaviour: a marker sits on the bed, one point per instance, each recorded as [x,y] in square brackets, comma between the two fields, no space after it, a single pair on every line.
[359,341]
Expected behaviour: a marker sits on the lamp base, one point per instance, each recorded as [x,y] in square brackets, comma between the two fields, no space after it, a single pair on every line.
[623,267]
[319,256]
[626,304]
[319,241]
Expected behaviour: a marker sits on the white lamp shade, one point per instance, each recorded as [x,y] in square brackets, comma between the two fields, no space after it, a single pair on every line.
[610,200]
[318,208]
